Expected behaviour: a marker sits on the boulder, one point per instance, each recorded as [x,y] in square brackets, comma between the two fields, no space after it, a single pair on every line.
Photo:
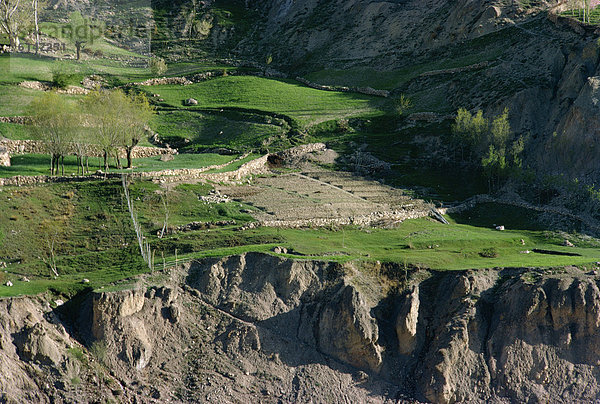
[4,157]
[191,101]
[166,157]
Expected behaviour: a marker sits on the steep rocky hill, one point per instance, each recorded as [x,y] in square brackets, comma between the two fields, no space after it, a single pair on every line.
[444,54]
[257,327]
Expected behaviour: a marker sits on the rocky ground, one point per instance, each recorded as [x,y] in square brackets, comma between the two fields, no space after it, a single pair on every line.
[266,329]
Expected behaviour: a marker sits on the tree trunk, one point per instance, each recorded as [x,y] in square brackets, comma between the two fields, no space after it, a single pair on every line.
[105,162]
[79,46]
[129,150]
[37,27]
[118,160]
[62,165]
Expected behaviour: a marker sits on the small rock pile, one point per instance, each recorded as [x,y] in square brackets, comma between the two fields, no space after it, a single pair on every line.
[215,197]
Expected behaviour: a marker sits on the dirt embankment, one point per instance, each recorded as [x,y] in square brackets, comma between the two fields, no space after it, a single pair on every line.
[267,329]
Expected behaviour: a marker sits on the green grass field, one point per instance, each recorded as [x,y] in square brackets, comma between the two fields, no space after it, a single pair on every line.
[14,131]
[285,97]
[218,129]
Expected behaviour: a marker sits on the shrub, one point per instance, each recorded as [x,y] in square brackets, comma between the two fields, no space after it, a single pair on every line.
[98,350]
[489,253]
[158,66]
[62,76]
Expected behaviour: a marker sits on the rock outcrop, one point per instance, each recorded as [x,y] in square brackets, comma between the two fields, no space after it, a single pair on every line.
[334,320]
[406,322]
[347,330]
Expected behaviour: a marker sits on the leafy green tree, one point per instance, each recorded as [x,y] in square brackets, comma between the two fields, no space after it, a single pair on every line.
[158,66]
[402,104]
[54,120]
[494,166]
[469,130]
[138,111]
[119,122]
[103,111]
[500,131]
[491,143]
[516,152]
[479,128]
[461,128]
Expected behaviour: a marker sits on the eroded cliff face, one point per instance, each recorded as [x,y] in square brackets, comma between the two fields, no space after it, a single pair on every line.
[258,327]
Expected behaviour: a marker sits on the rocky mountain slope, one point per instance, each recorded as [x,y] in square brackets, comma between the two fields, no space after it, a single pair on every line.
[542,67]
[261,328]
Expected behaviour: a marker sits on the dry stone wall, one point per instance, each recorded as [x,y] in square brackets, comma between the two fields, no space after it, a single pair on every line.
[254,167]
[16,147]
[361,90]
[20,120]
[365,220]
[200,77]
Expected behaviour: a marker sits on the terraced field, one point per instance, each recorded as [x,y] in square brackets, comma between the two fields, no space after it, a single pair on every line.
[324,198]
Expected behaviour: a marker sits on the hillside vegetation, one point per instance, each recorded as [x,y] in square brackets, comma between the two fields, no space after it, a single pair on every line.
[236,114]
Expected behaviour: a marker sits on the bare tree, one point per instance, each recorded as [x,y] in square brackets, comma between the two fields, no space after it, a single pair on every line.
[145,249]
[165,200]
[49,231]
[13,17]
[104,113]
[35,5]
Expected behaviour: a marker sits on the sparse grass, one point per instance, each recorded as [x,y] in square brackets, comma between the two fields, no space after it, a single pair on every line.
[87,228]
